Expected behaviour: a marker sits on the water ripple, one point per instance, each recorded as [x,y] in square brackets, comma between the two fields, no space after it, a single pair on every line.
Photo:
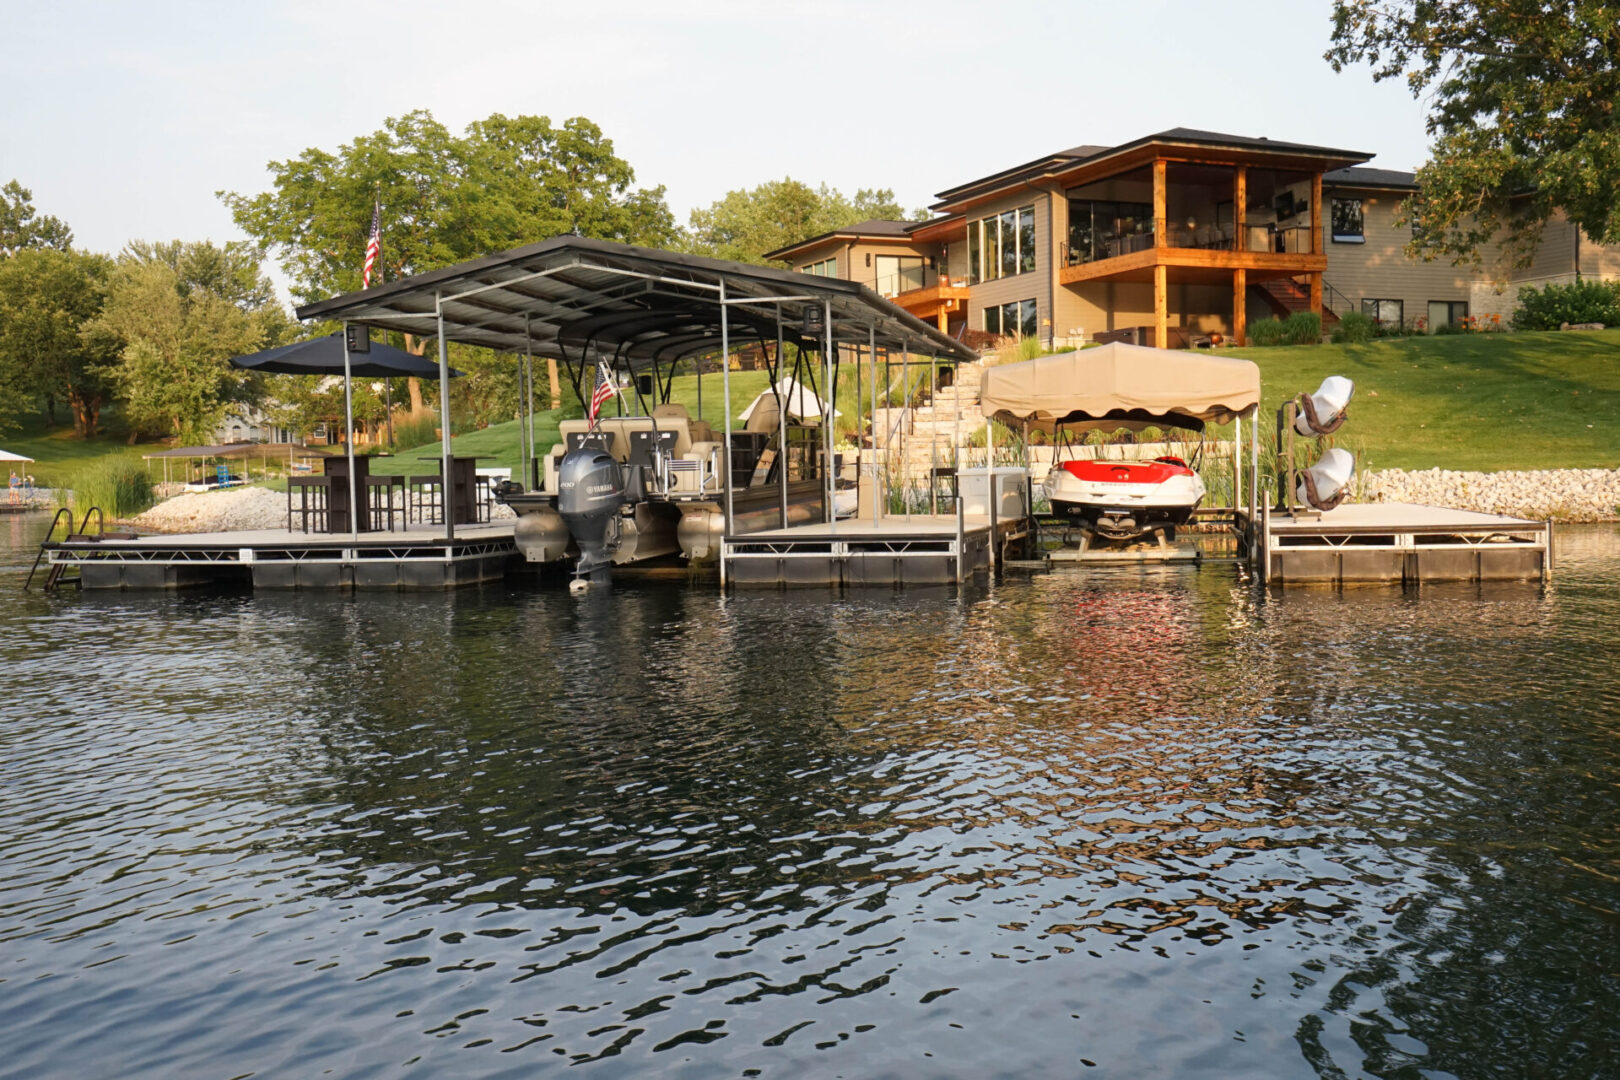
[1151,823]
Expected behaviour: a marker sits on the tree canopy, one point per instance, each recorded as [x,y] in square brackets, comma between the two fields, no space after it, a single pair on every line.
[747,223]
[1524,113]
[49,344]
[180,311]
[507,181]
[22,227]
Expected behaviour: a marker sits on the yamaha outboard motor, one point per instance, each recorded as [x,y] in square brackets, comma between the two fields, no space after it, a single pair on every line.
[590,490]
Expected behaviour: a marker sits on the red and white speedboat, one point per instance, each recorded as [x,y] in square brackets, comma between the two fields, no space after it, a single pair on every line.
[1124,500]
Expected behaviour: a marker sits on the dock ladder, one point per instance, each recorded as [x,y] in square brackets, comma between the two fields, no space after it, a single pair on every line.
[55,575]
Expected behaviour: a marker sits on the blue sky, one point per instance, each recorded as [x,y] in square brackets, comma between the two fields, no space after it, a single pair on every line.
[126,118]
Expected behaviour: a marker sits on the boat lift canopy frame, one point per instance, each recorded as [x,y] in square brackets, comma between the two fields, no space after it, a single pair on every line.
[636,308]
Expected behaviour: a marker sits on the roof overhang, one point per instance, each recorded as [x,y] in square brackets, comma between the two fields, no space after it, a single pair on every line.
[636,306]
[1215,150]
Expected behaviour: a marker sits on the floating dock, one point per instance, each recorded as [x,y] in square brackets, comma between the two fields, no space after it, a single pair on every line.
[1401,543]
[920,549]
[420,558]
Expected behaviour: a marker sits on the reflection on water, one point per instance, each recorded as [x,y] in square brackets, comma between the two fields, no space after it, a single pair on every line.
[1131,823]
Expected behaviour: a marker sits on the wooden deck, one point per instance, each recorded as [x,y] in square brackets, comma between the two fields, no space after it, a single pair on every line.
[1402,543]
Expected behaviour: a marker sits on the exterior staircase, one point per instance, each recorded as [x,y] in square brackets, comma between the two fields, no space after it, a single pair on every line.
[1285,296]
[927,434]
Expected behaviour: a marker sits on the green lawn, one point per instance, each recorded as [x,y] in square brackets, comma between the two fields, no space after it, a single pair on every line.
[57,454]
[1483,401]
[1489,402]
[497,446]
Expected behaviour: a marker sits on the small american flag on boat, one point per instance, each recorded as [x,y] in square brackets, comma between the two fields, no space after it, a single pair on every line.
[604,390]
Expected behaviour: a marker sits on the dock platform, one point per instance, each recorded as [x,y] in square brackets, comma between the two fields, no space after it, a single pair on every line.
[415,558]
[1402,543]
[919,549]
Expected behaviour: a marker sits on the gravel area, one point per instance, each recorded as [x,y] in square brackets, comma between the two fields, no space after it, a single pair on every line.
[232,510]
[1560,494]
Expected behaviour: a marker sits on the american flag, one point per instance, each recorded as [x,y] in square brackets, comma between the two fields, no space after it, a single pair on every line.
[373,245]
[604,390]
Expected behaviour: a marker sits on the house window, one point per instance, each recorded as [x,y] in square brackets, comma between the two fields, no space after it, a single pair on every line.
[824,268]
[1446,313]
[1003,245]
[1102,230]
[899,273]
[1385,312]
[1347,222]
[1017,319]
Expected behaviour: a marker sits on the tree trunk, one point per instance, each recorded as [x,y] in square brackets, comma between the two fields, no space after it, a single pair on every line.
[416,346]
[50,409]
[86,412]
[556,383]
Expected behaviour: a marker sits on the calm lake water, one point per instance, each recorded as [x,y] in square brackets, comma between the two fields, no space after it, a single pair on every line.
[1081,824]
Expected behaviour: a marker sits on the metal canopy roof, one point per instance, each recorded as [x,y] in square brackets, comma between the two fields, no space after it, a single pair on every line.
[641,305]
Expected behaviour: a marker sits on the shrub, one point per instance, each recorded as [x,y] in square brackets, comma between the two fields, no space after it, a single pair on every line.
[1550,307]
[1266,332]
[120,488]
[415,431]
[1302,328]
[1450,329]
[1354,329]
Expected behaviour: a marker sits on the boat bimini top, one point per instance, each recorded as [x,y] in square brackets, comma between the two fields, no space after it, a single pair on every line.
[1120,386]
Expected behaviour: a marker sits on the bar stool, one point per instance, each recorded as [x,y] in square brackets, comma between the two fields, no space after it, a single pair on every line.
[426,497]
[380,501]
[314,501]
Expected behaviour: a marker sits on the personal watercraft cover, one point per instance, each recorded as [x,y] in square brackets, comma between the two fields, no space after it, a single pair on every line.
[1119,385]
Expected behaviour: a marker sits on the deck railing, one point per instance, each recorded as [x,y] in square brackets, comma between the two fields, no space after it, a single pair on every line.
[1130,236]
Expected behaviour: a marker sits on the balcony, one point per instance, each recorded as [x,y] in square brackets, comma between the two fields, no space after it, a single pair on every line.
[924,292]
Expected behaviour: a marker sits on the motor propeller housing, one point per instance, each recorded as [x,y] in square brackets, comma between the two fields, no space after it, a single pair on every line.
[590,491]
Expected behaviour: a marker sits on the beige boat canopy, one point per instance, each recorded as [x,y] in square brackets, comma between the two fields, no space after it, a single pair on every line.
[1121,386]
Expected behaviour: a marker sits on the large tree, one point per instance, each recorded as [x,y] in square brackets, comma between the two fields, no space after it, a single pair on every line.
[506,182]
[1524,113]
[746,224]
[22,227]
[181,311]
[49,342]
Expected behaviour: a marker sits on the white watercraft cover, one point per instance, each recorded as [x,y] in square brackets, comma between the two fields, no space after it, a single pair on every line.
[1118,385]
[802,402]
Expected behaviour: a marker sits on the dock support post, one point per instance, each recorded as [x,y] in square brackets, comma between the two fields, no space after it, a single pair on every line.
[830,480]
[872,469]
[528,394]
[1254,476]
[1237,469]
[781,420]
[725,393]
[447,479]
[348,432]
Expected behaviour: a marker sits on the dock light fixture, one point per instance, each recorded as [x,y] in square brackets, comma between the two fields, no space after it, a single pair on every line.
[815,325]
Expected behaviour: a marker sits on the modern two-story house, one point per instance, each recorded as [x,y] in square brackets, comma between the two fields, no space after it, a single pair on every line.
[1174,239]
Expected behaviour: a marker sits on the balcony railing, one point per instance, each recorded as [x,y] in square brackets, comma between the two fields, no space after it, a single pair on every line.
[1132,236]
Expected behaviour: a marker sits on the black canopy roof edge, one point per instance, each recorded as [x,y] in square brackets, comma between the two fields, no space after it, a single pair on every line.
[573,290]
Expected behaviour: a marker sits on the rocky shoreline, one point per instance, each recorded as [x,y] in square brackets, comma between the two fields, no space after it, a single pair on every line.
[244,509]
[1566,495]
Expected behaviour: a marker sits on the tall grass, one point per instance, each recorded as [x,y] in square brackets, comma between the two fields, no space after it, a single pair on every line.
[120,488]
